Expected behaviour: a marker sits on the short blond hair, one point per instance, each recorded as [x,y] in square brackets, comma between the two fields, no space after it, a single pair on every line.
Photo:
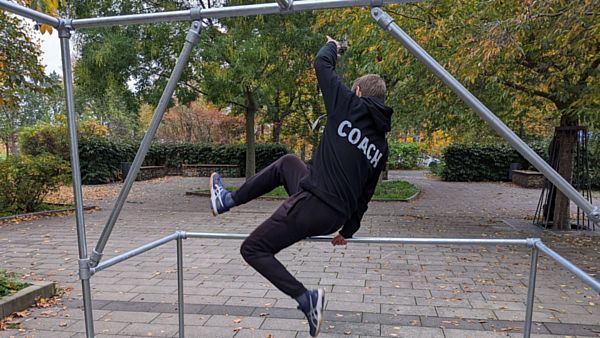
[370,85]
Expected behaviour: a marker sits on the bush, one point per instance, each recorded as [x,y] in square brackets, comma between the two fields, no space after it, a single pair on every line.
[404,155]
[26,180]
[483,162]
[101,158]
[54,138]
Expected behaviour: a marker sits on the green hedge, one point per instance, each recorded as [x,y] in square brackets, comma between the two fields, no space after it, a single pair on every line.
[26,180]
[404,155]
[101,158]
[477,162]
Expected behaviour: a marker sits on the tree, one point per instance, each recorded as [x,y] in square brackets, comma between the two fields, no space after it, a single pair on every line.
[255,62]
[531,62]
[21,75]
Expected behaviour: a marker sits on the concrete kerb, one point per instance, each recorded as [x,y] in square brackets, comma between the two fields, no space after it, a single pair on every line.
[26,297]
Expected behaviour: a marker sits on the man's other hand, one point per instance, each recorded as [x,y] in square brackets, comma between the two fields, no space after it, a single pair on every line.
[339,240]
[337,44]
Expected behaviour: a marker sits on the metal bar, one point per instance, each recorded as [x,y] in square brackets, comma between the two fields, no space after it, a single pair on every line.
[190,40]
[285,4]
[531,292]
[65,36]
[180,300]
[223,12]
[385,240]
[387,23]
[29,13]
[585,277]
[132,253]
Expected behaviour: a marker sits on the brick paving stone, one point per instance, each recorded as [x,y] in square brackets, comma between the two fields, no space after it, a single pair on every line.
[457,333]
[333,305]
[411,284]
[411,331]
[154,330]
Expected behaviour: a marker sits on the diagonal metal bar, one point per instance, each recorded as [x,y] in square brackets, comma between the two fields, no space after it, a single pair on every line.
[229,11]
[29,13]
[190,40]
[386,22]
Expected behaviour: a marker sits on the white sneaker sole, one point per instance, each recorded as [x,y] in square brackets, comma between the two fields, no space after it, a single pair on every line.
[320,305]
[213,197]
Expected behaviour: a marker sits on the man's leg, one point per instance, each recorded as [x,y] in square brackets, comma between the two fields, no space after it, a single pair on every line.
[300,216]
[288,170]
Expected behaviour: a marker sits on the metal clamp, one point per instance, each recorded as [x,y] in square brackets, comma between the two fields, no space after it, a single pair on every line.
[84,269]
[285,5]
[181,234]
[193,34]
[195,13]
[95,258]
[595,215]
[64,28]
[532,242]
[376,3]
[382,18]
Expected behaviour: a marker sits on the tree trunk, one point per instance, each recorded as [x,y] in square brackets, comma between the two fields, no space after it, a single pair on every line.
[567,140]
[12,148]
[250,148]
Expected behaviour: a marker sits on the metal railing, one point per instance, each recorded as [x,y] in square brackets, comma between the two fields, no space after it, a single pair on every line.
[535,244]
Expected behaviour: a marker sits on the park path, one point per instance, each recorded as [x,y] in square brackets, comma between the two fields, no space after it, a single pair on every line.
[373,290]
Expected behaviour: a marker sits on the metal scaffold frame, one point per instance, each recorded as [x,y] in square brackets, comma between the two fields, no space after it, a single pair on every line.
[89,264]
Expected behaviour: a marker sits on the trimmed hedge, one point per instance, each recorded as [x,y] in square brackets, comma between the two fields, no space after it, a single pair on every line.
[101,158]
[475,162]
[404,155]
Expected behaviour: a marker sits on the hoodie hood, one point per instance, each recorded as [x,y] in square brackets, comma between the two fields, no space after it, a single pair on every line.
[382,114]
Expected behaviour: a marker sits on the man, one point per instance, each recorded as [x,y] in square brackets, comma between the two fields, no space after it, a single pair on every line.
[331,193]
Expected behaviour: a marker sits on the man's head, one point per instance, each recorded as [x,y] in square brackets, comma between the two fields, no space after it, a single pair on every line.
[369,85]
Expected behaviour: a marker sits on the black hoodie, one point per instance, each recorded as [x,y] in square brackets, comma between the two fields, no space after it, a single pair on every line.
[353,151]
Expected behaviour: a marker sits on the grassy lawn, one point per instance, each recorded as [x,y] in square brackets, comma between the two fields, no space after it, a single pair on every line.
[43,207]
[386,190]
[10,284]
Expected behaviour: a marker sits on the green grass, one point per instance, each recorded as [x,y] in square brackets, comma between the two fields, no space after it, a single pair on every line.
[43,207]
[386,190]
[10,284]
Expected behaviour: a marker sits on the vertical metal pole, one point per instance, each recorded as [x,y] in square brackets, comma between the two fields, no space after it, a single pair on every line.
[531,292]
[180,300]
[386,22]
[190,40]
[64,34]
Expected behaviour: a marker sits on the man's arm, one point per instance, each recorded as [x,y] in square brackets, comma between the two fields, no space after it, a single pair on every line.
[330,83]
[353,224]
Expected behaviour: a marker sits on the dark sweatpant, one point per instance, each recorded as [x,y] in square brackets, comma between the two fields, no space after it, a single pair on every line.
[301,215]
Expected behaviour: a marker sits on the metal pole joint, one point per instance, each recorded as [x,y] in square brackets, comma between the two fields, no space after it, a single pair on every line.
[196,13]
[193,34]
[532,242]
[65,26]
[95,258]
[84,269]
[285,5]
[595,215]
[181,234]
[382,18]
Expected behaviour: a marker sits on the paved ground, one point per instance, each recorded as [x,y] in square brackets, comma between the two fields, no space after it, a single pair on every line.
[373,290]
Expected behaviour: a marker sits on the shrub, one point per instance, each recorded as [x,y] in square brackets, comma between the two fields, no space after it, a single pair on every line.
[101,158]
[26,180]
[594,151]
[404,155]
[477,162]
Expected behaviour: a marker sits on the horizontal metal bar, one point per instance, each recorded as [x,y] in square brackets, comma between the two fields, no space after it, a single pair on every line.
[385,240]
[223,12]
[29,13]
[132,253]
[584,276]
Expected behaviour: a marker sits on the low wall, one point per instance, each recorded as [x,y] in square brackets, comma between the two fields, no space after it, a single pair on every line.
[528,179]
